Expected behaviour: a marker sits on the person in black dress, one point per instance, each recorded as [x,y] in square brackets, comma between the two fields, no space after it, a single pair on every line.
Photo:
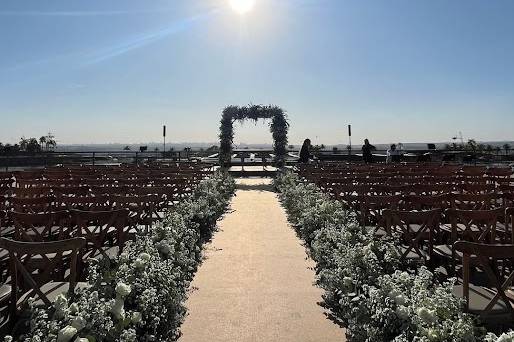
[367,148]
[305,152]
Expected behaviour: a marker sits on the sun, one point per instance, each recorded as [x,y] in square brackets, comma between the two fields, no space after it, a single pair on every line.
[242,6]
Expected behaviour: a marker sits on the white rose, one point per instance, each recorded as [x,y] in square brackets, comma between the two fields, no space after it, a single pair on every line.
[400,300]
[81,339]
[347,281]
[123,290]
[66,334]
[61,302]
[433,334]
[402,312]
[428,316]
[74,308]
[79,323]
[136,317]
[164,247]
[139,263]
[144,256]
[118,309]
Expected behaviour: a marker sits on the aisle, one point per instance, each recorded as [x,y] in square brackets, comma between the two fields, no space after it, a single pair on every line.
[255,284]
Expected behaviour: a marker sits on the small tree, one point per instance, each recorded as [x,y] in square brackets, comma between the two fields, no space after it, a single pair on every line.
[471,145]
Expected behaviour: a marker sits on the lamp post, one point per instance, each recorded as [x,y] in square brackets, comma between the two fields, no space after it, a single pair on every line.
[349,139]
[164,141]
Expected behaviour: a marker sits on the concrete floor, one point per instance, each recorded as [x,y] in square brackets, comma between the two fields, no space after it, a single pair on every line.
[255,284]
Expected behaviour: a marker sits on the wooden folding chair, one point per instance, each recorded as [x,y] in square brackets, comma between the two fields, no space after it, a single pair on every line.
[371,210]
[415,228]
[104,231]
[491,302]
[468,225]
[141,209]
[41,227]
[43,281]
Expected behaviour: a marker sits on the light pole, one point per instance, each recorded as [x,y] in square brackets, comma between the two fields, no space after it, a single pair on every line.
[164,141]
[349,139]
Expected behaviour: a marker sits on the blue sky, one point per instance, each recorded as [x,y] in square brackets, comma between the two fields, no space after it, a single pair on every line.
[397,70]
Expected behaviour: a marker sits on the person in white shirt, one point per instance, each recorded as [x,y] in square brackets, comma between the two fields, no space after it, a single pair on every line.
[393,155]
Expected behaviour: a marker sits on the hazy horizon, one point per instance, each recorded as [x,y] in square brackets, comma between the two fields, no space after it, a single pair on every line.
[410,71]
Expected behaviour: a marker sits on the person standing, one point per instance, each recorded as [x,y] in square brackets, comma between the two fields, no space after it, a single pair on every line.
[367,148]
[305,152]
[393,155]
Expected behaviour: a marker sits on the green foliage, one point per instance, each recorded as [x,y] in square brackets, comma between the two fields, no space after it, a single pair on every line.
[278,127]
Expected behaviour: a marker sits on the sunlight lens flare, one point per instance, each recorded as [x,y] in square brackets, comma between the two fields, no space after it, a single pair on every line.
[242,6]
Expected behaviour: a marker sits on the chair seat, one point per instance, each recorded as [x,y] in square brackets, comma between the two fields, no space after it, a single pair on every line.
[412,254]
[111,252]
[51,290]
[4,255]
[445,251]
[5,292]
[447,227]
[479,298]
[7,231]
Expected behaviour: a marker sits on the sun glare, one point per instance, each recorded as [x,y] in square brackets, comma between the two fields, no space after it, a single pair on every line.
[242,6]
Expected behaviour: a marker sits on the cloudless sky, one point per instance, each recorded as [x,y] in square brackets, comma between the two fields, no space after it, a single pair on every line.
[397,70]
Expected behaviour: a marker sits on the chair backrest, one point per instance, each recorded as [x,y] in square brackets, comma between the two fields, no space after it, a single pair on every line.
[41,227]
[85,203]
[100,226]
[73,191]
[425,202]
[475,201]
[474,225]
[371,207]
[414,227]
[34,264]
[486,256]
[32,192]
[32,204]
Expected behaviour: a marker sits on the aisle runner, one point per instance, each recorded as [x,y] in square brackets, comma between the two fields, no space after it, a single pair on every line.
[255,284]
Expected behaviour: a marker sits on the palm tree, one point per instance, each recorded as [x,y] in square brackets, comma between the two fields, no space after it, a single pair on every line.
[42,142]
[506,147]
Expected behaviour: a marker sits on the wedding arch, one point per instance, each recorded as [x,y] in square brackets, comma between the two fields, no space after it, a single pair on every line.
[278,127]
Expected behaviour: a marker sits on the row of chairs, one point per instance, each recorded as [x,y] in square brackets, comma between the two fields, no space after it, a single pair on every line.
[466,226]
[47,238]
[369,208]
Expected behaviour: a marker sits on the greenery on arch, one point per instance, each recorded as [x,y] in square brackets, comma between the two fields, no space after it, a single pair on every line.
[279,127]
